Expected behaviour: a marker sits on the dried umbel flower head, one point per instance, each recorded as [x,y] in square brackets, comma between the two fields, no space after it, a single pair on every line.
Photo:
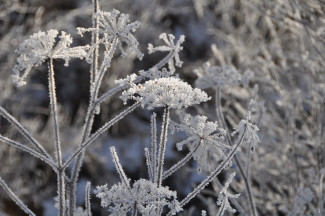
[115,26]
[204,138]
[165,92]
[143,195]
[42,46]
[171,47]
[227,76]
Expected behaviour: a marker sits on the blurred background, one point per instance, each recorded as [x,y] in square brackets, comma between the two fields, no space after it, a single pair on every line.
[282,42]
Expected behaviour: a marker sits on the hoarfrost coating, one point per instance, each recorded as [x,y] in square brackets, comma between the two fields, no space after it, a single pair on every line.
[165,92]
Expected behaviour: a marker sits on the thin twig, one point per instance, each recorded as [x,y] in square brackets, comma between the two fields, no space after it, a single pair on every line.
[182,162]
[54,114]
[24,132]
[15,198]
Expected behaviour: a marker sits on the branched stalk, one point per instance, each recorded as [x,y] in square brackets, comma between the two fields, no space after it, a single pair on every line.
[228,137]
[58,150]
[94,88]
[181,163]
[30,151]
[24,132]
[13,196]
[216,172]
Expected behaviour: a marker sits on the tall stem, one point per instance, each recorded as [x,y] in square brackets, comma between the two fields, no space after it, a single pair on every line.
[228,137]
[94,88]
[58,150]
[162,146]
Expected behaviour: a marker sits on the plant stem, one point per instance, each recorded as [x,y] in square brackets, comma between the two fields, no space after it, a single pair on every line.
[181,163]
[13,196]
[162,146]
[58,150]
[228,137]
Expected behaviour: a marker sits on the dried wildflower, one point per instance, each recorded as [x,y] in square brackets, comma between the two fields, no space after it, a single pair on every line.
[143,195]
[172,48]
[203,135]
[221,77]
[163,92]
[41,46]
[115,25]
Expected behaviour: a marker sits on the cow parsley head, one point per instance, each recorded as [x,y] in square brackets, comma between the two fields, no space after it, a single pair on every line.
[115,26]
[204,137]
[143,195]
[165,92]
[41,46]
[171,47]
[221,77]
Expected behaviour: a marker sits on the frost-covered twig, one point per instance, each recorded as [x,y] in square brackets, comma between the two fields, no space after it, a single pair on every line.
[181,163]
[57,143]
[24,132]
[119,168]
[13,196]
[87,199]
[30,151]
[100,131]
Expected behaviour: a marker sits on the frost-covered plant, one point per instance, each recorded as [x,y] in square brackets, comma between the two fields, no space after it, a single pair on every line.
[221,77]
[204,140]
[142,196]
[112,31]
[165,92]
[42,46]
[115,28]
[171,47]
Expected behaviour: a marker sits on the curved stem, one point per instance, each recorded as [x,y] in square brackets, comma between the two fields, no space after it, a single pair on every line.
[13,196]
[30,151]
[182,162]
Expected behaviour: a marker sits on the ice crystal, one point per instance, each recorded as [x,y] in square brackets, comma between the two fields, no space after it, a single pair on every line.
[214,76]
[250,130]
[144,196]
[163,92]
[204,133]
[224,195]
[115,25]
[41,46]
[171,47]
